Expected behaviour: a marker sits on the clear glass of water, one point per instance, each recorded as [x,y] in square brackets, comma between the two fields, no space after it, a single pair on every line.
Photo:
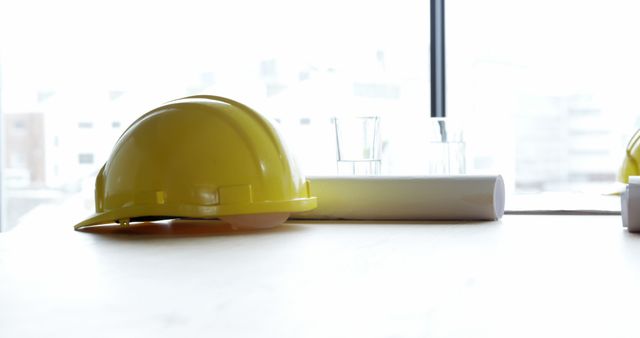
[445,147]
[358,145]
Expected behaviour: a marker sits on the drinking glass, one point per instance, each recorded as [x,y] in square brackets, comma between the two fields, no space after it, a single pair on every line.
[358,145]
[445,147]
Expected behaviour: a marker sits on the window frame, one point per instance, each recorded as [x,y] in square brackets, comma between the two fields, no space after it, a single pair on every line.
[437,59]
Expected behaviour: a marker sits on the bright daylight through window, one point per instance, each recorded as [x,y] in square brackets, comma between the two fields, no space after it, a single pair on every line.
[75,74]
[539,91]
[548,88]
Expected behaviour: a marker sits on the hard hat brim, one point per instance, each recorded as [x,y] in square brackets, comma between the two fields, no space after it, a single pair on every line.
[196,211]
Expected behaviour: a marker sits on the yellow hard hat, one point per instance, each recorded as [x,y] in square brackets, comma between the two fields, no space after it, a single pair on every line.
[200,157]
[632,159]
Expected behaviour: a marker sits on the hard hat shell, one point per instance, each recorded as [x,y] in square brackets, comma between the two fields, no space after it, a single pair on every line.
[632,158]
[198,157]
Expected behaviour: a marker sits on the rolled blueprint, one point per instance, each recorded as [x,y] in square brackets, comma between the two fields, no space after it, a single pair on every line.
[407,198]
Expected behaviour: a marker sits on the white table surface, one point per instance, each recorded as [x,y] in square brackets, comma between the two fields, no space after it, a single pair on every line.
[523,276]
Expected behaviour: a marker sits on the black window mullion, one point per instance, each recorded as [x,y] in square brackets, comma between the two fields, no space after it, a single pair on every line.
[437,56]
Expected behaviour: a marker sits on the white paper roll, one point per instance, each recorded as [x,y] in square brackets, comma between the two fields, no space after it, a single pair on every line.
[407,198]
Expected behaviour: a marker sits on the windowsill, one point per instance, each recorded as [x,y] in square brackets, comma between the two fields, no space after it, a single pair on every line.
[78,207]
[561,203]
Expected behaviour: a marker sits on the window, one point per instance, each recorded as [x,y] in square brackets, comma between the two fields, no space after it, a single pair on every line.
[551,86]
[545,97]
[85,158]
[85,125]
[298,62]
